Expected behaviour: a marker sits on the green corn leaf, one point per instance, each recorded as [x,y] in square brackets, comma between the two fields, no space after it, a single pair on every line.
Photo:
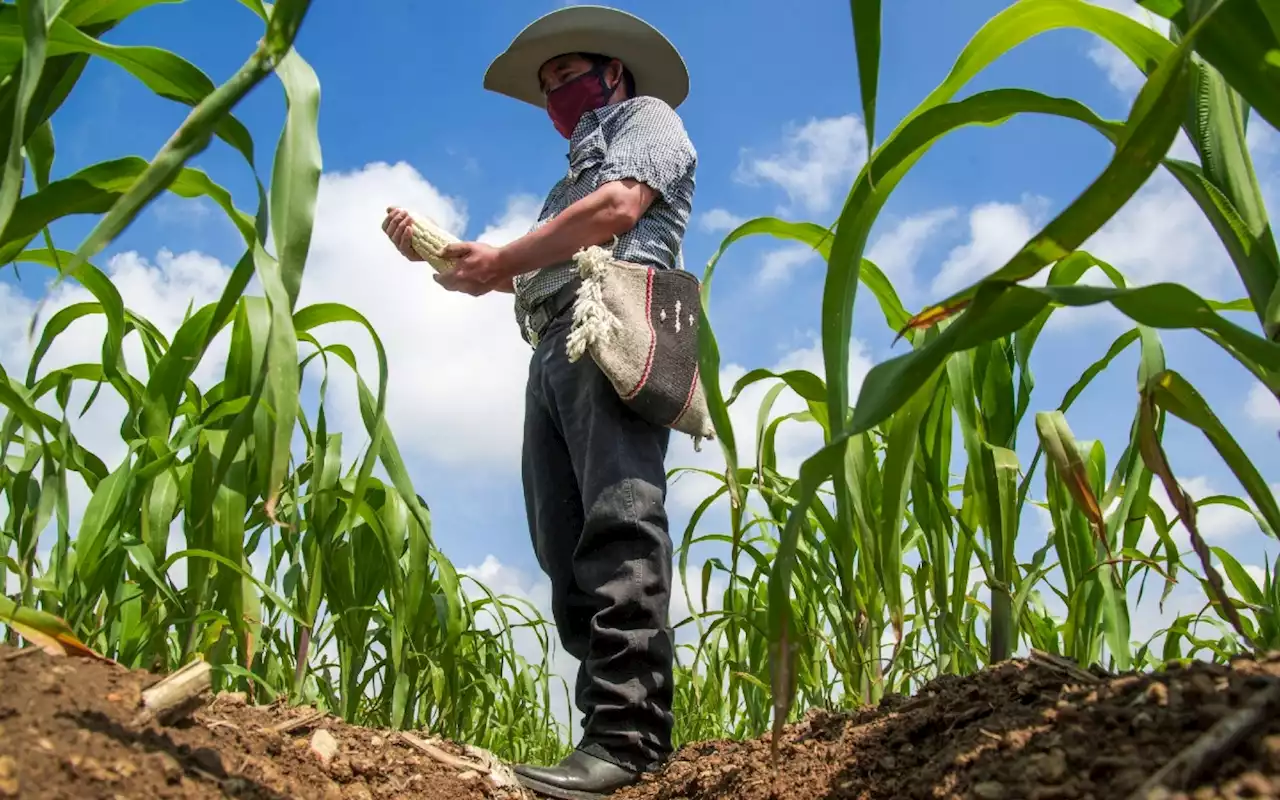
[1253,253]
[108,296]
[40,151]
[1147,137]
[1176,395]
[1240,578]
[1237,38]
[96,190]
[1150,422]
[193,135]
[285,19]
[88,13]
[802,382]
[296,179]
[1072,469]
[899,463]
[998,310]
[1154,129]
[197,555]
[1236,502]
[168,75]
[866,34]
[33,24]
[257,7]
[293,198]
[99,517]
[50,633]
[1000,467]
[816,237]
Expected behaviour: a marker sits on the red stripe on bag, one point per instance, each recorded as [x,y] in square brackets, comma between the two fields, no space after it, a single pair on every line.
[653,338]
[688,401]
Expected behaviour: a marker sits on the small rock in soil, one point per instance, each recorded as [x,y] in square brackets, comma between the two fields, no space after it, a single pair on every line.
[324,745]
[210,761]
[1158,694]
[990,790]
[357,791]
[1271,749]
[1254,784]
[9,785]
[340,770]
[167,766]
[91,768]
[361,765]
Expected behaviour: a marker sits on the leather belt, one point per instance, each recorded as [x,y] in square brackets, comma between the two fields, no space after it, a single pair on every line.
[538,319]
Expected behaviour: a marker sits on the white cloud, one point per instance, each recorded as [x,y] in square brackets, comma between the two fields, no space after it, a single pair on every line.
[997,231]
[1262,407]
[1262,140]
[1162,235]
[516,220]
[897,250]
[816,163]
[719,220]
[1219,524]
[1159,235]
[778,266]
[439,403]
[161,292]
[189,211]
[1123,74]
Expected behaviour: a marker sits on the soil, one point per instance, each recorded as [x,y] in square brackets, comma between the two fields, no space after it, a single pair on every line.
[1021,730]
[67,730]
[1040,730]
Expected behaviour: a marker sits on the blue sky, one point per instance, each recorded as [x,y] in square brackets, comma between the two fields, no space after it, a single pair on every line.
[774,113]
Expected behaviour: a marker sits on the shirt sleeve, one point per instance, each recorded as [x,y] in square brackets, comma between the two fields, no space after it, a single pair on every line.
[648,143]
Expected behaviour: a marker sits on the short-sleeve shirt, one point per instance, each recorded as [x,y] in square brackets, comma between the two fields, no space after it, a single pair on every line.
[640,138]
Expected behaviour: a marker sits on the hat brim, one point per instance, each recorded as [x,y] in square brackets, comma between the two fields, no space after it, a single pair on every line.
[656,65]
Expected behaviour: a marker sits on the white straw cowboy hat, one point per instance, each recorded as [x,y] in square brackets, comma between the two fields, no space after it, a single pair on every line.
[658,69]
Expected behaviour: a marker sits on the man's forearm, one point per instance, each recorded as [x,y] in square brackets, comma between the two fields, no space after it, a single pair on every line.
[610,211]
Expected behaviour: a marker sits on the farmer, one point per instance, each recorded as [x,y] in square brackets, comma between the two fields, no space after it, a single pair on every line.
[594,473]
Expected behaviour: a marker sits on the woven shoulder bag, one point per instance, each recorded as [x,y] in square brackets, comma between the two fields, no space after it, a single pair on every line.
[640,325]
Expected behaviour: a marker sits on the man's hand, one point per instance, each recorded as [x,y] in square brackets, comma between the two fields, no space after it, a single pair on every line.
[399,229]
[478,269]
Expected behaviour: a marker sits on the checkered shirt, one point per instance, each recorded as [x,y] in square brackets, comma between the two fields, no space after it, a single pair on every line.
[641,138]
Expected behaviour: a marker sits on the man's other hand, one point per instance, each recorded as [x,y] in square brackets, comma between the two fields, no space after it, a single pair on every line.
[477,269]
[399,229]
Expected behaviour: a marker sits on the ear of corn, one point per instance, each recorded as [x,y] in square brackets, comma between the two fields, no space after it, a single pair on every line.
[430,240]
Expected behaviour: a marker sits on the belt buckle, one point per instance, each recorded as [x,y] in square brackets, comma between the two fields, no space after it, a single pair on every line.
[530,331]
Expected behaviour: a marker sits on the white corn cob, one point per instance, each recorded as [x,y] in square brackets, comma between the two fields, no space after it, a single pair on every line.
[429,240]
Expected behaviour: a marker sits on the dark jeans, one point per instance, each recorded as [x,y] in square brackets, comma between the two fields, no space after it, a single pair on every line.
[595,487]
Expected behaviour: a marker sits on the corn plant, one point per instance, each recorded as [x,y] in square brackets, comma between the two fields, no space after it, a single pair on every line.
[351,605]
[859,568]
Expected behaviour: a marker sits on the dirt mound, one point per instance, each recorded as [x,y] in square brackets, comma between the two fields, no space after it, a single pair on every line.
[1038,730]
[67,731]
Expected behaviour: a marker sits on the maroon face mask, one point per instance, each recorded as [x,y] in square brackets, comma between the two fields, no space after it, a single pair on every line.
[567,103]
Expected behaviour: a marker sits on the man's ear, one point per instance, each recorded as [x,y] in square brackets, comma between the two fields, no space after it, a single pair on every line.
[614,72]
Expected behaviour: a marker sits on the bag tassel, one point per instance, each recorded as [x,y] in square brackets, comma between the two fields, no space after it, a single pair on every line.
[593,322]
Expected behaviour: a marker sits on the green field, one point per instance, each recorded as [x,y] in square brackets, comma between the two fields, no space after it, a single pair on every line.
[889,558]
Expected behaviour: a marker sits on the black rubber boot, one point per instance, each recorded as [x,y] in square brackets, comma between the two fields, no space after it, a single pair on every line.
[580,776]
